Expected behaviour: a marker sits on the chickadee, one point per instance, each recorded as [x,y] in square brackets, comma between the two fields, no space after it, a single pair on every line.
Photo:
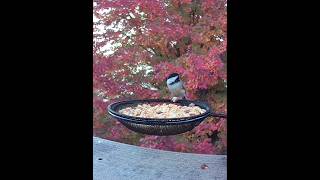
[175,86]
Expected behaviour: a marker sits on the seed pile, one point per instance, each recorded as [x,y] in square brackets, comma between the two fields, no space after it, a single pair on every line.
[162,111]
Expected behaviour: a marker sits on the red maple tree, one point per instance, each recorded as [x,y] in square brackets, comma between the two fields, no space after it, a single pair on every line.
[150,40]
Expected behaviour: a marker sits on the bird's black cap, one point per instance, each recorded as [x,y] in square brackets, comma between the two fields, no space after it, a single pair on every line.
[173,75]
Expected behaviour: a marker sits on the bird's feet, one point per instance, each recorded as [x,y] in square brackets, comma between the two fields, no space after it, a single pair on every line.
[175,99]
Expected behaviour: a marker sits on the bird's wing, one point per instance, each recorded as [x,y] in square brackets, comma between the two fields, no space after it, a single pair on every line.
[184,88]
[185,91]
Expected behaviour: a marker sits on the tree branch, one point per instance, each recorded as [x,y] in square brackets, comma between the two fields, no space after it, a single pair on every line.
[151,52]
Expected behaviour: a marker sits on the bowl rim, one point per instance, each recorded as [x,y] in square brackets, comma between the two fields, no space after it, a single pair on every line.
[158,121]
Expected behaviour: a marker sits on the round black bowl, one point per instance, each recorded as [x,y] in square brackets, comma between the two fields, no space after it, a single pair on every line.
[159,127]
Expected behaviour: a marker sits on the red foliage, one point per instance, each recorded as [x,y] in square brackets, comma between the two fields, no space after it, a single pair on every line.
[180,147]
[158,142]
[184,36]
[204,147]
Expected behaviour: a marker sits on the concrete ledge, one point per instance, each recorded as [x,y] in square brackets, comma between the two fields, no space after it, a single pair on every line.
[117,161]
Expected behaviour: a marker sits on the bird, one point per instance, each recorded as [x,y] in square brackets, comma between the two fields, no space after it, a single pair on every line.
[176,87]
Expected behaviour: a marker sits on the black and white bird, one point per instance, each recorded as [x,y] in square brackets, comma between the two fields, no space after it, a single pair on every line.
[175,86]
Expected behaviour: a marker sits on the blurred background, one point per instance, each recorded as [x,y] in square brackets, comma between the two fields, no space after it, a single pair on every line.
[138,43]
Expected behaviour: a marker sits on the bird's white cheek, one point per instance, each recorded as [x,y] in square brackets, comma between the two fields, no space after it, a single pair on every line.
[171,80]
